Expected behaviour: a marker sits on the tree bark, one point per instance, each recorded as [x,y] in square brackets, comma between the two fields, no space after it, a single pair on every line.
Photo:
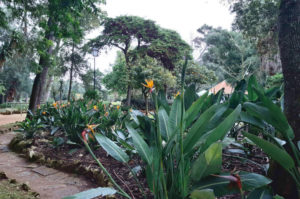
[129,87]
[289,45]
[47,90]
[71,74]
[40,78]
[129,94]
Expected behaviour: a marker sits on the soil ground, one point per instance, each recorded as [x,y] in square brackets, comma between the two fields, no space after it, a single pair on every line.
[45,180]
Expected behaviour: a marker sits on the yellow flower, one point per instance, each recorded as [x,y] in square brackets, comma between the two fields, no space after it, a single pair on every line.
[118,107]
[149,84]
[44,113]
[178,93]
[91,127]
[106,114]
[55,104]
[95,108]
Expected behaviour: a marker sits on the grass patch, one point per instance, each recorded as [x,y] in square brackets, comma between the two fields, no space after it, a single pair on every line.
[10,190]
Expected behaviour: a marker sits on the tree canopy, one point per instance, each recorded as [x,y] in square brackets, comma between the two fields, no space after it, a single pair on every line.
[227,53]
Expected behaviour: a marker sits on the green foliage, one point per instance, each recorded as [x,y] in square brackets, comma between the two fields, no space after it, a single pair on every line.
[258,20]
[250,181]
[117,80]
[203,194]
[30,126]
[274,81]
[15,78]
[91,95]
[92,193]
[2,89]
[149,68]
[261,112]
[191,149]
[76,116]
[228,53]
[88,80]
[199,76]
[162,44]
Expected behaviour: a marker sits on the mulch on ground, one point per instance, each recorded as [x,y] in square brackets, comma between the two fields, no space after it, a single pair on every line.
[73,155]
[253,161]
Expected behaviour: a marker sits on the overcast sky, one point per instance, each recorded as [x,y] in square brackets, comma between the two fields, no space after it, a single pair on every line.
[185,17]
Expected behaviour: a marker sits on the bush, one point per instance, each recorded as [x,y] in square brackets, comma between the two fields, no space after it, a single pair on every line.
[91,94]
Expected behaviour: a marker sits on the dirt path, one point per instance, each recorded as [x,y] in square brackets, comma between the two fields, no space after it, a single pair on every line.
[7,119]
[49,183]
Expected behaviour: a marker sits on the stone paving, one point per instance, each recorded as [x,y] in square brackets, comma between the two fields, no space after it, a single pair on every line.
[49,183]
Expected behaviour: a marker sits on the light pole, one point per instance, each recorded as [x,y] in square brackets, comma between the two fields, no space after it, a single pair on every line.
[95,54]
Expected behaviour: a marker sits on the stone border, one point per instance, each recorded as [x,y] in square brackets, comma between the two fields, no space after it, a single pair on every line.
[13,112]
[8,128]
[25,147]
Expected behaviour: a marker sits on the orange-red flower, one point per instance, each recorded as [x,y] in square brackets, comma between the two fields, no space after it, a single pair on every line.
[44,113]
[83,134]
[235,180]
[91,127]
[55,104]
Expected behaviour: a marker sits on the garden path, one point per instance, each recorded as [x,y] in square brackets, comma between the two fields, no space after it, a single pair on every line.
[49,183]
[6,119]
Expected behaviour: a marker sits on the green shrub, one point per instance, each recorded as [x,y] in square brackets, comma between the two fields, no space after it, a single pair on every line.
[91,95]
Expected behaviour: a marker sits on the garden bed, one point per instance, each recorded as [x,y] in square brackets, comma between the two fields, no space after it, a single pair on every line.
[75,159]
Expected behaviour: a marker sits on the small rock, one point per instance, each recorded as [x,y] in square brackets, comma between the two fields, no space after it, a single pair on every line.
[13,181]
[25,187]
[35,194]
[3,175]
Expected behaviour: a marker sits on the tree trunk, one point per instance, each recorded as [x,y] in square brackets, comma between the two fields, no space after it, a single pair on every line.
[71,74]
[47,91]
[129,94]
[43,80]
[40,78]
[289,45]
[129,88]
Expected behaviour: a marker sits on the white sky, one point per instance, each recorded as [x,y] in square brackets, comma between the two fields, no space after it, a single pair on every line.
[185,17]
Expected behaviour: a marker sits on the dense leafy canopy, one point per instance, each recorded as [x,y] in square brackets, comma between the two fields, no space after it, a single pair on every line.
[227,53]
[135,35]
